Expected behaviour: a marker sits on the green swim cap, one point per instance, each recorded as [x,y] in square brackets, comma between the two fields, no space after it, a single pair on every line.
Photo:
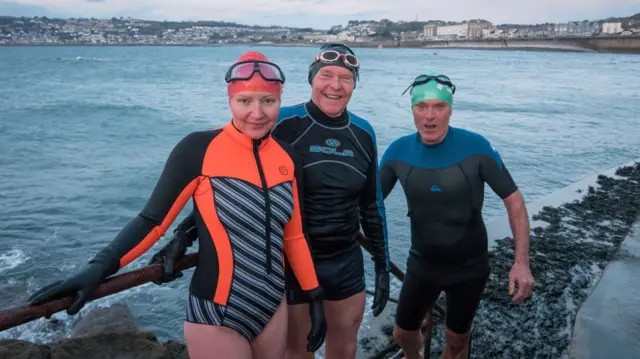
[432,90]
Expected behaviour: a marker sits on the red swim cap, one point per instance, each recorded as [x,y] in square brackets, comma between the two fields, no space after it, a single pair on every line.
[256,83]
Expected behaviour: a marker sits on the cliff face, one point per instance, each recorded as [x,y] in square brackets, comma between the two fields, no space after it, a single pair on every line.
[103,333]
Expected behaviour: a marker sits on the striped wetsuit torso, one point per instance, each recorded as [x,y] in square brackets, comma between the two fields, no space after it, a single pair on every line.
[247,213]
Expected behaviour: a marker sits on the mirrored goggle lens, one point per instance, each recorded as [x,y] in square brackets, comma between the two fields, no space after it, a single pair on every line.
[268,71]
[330,55]
[351,60]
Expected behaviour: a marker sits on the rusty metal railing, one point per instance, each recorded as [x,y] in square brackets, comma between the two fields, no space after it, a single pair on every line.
[21,314]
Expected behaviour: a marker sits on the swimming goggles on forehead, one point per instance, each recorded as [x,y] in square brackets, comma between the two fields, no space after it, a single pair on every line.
[244,70]
[441,79]
[331,56]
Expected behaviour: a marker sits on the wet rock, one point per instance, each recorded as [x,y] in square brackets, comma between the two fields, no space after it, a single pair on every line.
[20,349]
[103,333]
[114,319]
[176,349]
[568,257]
[111,346]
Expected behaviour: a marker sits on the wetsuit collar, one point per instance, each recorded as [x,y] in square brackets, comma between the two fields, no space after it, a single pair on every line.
[447,138]
[317,115]
[243,139]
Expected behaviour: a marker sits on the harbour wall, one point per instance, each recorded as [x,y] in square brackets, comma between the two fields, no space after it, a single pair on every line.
[613,44]
[610,44]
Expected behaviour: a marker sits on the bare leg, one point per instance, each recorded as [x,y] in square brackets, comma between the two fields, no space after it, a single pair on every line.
[343,321]
[457,345]
[272,342]
[410,342]
[299,326]
[203,340]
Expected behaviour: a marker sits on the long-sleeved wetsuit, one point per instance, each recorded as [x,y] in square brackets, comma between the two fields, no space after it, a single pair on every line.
[247,213]
[341,194]
[444,188]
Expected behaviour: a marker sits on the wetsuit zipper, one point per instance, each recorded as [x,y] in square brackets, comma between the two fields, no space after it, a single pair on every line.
[267,203]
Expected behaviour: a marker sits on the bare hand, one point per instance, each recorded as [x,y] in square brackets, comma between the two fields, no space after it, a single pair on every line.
[520,275]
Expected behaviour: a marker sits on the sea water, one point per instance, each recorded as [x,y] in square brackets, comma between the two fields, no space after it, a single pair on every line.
[85,132]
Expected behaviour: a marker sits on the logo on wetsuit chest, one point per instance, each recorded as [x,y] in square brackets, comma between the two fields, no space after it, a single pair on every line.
[435,188]
[331,148]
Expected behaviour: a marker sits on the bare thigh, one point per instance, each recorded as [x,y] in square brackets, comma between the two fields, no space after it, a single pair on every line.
[299,326]
[202,340]
[343,321]
[272,341]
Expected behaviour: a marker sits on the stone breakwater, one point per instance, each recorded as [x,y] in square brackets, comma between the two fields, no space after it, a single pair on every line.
[614,44]
[568,256]
[617,44]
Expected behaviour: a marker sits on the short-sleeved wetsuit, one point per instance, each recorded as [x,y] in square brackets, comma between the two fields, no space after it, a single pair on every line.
[341,193]
[247,213]
[444,188]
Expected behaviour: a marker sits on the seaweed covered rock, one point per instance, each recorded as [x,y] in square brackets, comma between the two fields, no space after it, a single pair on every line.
[102,333]
[568,257]
[114,319]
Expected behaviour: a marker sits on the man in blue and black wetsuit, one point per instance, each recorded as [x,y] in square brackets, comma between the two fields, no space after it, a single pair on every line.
[442,170]
[340,195]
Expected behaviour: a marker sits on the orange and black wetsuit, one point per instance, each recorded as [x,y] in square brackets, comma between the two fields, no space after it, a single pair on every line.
[247,212]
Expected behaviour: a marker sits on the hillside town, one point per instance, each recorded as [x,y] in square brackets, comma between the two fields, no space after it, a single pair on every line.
[128,31]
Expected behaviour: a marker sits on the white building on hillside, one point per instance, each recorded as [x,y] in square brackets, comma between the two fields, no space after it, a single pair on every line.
[453,31]
[430,31]
[611,27]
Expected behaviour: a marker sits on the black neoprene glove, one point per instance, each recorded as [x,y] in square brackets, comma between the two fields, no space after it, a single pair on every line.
[82,284]
[169,255]
[318,322]
[381,295]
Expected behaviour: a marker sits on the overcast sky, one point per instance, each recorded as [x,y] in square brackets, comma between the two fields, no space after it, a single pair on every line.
[323,14]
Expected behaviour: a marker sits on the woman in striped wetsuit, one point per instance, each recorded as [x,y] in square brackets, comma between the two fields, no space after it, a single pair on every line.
[245,192]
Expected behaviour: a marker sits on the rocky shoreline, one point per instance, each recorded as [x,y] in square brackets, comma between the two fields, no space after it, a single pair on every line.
[568,256]
[102,333]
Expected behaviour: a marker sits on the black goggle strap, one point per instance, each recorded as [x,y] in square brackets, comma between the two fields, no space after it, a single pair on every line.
[423,79]
[331,45]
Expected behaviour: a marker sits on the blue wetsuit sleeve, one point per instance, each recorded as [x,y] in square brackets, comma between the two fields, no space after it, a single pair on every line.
[388,176]
[372,209]
[495,174]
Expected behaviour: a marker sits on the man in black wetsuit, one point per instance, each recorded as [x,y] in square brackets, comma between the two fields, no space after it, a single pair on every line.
[442,170]
[341,193]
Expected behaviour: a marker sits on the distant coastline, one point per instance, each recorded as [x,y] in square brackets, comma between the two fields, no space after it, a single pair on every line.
[609,44]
